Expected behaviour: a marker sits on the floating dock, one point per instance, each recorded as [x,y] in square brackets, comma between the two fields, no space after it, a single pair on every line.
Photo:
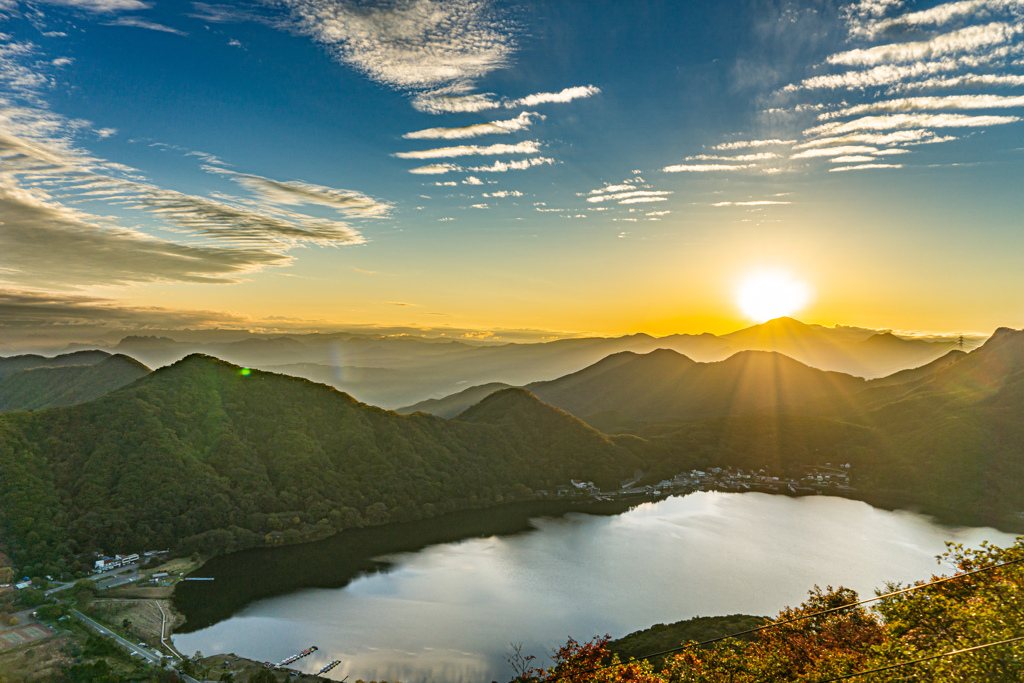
[294,658]
[330,666]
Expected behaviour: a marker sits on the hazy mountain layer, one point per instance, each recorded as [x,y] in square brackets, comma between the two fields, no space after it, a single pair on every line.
[396,371]
[65,385]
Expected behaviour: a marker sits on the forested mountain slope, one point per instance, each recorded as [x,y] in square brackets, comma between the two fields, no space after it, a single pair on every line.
[202,455]
[65,385]
[11,364]
[667,386]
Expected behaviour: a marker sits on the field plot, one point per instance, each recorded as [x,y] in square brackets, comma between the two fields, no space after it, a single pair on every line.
[23,635]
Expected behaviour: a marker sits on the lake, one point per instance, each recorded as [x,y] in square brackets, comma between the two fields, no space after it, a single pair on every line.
[447,610]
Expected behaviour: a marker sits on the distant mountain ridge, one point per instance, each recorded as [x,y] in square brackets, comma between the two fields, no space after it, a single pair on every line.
[203,457]
[62,381]
[400,371]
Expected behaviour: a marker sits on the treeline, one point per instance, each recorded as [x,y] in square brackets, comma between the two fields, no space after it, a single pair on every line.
[201,457]
[828,637]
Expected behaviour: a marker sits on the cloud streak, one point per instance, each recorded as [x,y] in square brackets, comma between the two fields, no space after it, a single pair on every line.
[521,122]
[526,147]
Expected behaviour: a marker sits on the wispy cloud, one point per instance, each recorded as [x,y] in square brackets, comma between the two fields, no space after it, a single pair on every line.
[292,193]
[963,48]
[413,45]
[705,168]
[526,147]
[50,240]
[138,22]
[744,144]
[521,122]
[953,102]
[759,202]
[634,194]
[870,123]
[864,167]
[969,39]
[103,6]
[760,156]
[520,165]
[435,169]
[566,95]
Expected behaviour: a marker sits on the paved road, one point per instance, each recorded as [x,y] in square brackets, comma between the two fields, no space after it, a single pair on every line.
[148,655]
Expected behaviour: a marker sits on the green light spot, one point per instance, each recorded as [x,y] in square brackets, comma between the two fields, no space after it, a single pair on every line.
[246,372]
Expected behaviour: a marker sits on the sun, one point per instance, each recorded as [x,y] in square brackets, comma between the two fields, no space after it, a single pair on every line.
[768,294]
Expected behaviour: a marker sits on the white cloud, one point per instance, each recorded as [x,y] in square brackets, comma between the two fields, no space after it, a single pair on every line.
[833,151]
[480,206]
[612,188]
[965,80]
[658,213]
[472,180]
[104,6]
[900,137]
[526,147]
[566,95]
[295,192]
[896,74]
[852,160]
[521,122]
[864,167]
[704,168]
[504,193]
[760,156]
[761,202]
[743,144]
[622,197]
[931,103]
[643,200]
[138,22]
[968,39]
[521,165]
[435,169]
[449,103]
[868,123]
[409,44]
[942,14]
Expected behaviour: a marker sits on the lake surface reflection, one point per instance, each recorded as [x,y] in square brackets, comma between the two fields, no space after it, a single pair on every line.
[448,612]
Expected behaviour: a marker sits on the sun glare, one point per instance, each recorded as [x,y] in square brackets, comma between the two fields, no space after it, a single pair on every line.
[769,294]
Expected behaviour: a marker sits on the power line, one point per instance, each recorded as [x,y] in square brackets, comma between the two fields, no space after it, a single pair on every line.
[776,624]
[922,659]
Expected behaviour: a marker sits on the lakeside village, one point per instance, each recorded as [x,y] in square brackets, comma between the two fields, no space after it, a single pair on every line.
[817,480]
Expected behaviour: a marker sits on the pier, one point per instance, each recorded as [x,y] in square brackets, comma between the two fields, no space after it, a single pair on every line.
[330,666]
[294,658]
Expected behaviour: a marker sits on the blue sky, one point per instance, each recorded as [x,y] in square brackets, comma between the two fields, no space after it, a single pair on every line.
[513,168]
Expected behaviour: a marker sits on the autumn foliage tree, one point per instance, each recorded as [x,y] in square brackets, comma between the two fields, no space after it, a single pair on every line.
[830,636]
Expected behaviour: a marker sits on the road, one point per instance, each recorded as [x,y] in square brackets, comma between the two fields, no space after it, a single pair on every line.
[149,656]
[134,648]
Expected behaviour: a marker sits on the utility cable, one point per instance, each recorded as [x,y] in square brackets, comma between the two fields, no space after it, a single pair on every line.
[922,659]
